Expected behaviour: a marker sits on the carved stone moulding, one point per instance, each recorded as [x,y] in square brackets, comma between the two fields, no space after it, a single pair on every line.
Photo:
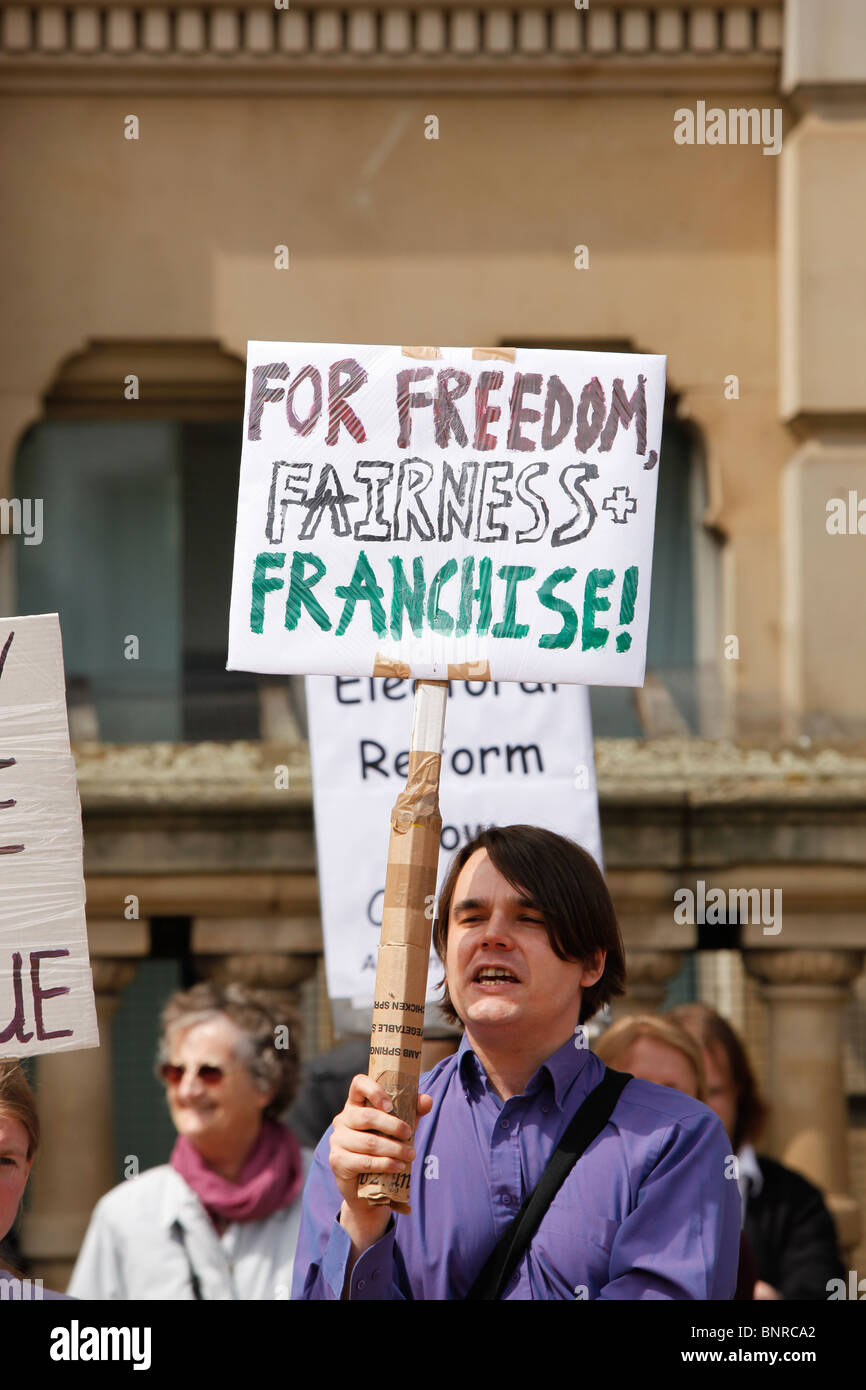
[355,46]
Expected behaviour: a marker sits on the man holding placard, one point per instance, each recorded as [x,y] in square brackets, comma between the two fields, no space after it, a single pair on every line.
[457,514]
[452,514]
[635,1204]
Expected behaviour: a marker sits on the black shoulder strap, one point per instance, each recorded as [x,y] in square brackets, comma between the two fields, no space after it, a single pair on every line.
[590,1119]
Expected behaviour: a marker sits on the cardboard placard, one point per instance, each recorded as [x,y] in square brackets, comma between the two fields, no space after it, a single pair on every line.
[46,985]
[465,515]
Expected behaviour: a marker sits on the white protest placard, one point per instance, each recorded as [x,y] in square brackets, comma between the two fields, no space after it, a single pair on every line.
[446,513]
[514,754]
[46,985]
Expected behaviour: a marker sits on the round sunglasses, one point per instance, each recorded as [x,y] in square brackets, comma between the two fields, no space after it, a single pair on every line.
[172,1074]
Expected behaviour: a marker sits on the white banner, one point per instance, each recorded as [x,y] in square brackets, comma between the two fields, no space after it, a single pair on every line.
[514,754]
[446,513]
[46,985]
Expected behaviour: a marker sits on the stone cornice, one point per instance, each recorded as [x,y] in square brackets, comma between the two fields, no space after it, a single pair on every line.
[673,772]
[804,968]
[221,48]
[156,778]
[669,805]
[188,379]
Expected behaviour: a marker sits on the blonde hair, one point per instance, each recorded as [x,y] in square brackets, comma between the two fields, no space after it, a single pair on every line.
[18,1101]
[613,1045]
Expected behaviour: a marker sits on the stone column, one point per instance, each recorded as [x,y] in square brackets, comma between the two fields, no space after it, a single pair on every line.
[648,974]
[265,953]
[805,992]
[822,371]
[75,1164]
[282,974]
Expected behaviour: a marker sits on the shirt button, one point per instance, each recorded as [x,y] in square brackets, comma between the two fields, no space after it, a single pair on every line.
[545,1109]
[504,1124]
[507,1198]
[360,1284]
[375,1274]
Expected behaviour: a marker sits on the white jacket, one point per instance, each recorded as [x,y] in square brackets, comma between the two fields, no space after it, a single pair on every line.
[151,1238]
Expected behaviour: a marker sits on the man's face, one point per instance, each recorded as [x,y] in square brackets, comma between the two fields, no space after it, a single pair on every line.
[502,973]
[721,1091]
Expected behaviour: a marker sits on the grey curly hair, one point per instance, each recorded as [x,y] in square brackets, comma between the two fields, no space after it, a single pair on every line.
[259,1014]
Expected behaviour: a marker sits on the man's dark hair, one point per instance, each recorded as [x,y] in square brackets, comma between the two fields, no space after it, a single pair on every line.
[566,885]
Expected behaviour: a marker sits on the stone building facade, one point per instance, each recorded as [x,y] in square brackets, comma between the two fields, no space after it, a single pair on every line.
[188,177]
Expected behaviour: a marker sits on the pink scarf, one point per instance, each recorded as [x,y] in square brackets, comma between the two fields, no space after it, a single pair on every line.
[271,1178]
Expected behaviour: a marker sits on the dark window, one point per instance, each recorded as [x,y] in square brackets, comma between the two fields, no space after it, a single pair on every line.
[670,638]
[138,538]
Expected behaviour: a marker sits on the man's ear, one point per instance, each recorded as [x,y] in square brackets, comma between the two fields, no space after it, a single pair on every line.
[593,969]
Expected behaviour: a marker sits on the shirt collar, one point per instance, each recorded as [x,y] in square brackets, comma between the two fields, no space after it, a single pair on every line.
[560,1069]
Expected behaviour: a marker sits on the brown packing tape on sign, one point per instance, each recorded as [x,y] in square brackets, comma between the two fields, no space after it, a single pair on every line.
[418,802]
[416,844]
[407,911]
[494,354]
[427,354]
[405,875]
[390,666]
[469,671]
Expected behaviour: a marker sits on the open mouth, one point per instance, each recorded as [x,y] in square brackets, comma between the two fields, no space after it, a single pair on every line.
[494,977]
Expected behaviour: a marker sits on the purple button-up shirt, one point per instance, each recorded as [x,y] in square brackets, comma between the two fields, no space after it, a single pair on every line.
[647,1211]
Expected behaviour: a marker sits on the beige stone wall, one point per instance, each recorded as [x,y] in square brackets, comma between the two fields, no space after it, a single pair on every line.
[732,262]
[396,238]
[822,378]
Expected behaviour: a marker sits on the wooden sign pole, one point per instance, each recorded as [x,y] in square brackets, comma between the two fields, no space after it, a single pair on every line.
[407,924]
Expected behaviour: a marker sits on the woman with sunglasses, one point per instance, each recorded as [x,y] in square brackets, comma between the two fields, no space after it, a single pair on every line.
[220,1220]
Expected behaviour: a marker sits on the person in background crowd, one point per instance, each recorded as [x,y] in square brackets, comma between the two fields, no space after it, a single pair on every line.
[221,1219]
[532,949]
[786,1221]
[19,1140]
[659,1050]
[644,1043]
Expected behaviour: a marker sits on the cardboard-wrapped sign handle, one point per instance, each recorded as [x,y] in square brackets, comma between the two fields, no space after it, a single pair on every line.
[407,923]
